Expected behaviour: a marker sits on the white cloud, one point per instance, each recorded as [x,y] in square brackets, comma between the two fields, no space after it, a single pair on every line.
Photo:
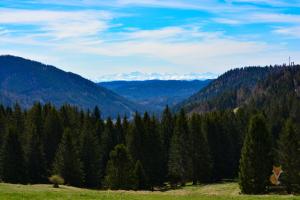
[288,31]
[58,24]
[257,18]
[277,3]
[227,21]
[274,18]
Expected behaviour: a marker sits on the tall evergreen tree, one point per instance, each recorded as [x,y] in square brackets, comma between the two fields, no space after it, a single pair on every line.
[179,159]
[13,168]
[107,144]
[36,163]
[52,134]
[256,160]
[167,130]
[90,156]
[17,121]
[289,156]
[98,123]
[201,158]
[67,161]
[119,132]
[135,138]
[3,125]
[119,172]
[151,151]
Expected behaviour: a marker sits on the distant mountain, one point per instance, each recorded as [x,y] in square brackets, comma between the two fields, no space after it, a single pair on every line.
[154,95]
[140,76]
[25,81]
[230,90]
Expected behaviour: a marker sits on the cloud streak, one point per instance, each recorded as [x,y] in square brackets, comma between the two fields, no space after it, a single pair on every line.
[58,24]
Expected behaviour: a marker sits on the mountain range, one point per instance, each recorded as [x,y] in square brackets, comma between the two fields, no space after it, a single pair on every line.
[26,81]
[154,95]
[141,76]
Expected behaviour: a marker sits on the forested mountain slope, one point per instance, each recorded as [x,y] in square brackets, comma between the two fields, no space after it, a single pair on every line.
[230,90]
[25,81]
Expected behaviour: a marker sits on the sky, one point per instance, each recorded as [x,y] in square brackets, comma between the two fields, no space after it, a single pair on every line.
[111,39]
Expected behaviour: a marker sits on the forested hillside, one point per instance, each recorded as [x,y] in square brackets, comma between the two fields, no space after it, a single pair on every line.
[25,81]
[230,90]
[156,94]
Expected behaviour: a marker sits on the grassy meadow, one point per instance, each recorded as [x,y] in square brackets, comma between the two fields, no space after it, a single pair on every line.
[225,191]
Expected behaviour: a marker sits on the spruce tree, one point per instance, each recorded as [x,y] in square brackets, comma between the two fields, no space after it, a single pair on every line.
[67,161]
[219,131]
[3,126]
[201,159]
[36,166]
[52,134]
[256,160]
[90,156]
[119,171]
[13,168]
[98,123]
[119,132]
[289,156]
[179,158]
[107,145]
[135,138]
[152,152]
[17,121]
[167,130]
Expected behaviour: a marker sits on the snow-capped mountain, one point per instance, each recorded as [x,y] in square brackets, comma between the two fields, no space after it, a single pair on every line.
[156,76]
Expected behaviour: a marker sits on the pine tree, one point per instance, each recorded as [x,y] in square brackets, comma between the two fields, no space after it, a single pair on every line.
[289,156]
[179,158]
[256,161]
[90,156]
[201,159]
[119,171]
[13,168]
[140,178]
[67,162]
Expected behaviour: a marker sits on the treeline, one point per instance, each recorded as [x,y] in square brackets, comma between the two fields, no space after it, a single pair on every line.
[145,152]
[142,153]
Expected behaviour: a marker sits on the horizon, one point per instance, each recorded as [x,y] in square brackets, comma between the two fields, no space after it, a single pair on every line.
[170,38]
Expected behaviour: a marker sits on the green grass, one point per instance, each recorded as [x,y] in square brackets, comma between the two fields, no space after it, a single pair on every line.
[226,191]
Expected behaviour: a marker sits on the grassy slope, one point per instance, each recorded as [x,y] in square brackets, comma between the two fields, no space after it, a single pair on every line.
[218,192]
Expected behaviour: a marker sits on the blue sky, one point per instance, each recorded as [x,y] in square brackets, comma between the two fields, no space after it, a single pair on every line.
[95,38]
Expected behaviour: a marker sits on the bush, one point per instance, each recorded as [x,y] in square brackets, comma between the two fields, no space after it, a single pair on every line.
[56,180]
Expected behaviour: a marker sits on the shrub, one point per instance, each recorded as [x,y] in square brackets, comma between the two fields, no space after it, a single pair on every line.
[56,180]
